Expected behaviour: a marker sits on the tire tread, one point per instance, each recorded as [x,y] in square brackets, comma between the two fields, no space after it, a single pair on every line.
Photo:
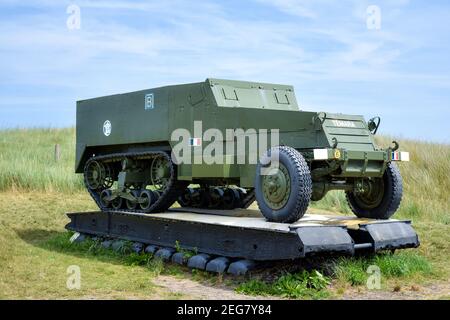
[305,185]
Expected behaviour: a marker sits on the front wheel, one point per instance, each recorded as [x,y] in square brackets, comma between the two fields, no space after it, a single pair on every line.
[381,198]
[283,190]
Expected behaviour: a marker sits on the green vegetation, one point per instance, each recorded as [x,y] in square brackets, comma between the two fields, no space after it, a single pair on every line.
[34,254]
[186,253]
[36,191]
[27,160]
[123,254]
[402,264]
[353,271]
[303,285]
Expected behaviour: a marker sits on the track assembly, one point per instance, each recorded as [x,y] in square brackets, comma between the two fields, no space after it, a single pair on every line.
[146,183]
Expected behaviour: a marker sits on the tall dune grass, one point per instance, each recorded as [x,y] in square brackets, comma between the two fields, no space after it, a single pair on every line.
[27,163]
[27,160]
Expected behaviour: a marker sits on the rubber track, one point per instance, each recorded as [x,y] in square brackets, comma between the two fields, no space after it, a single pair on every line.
[165,200]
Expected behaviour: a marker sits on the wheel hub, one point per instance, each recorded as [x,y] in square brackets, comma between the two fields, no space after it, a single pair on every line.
[370,193]
[276,187]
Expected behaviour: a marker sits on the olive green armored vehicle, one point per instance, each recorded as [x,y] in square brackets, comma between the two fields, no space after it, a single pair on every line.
[223,144]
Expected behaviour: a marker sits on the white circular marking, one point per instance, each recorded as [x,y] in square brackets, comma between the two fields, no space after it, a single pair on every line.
[107,128]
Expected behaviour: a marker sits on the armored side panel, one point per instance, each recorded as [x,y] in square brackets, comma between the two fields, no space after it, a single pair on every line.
[145,120]
[132,121]
[248,107]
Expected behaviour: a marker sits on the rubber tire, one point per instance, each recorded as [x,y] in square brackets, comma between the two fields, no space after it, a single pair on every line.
[393,191]
[301,187]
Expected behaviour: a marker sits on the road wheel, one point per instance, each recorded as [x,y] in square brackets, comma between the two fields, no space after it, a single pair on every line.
[117,203]
[185,200]
[105,195]
[283,192]
[132,205]
[381,198]
[146,199]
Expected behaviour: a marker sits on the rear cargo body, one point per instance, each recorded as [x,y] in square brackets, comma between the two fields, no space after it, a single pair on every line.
[148,117]
[145,119]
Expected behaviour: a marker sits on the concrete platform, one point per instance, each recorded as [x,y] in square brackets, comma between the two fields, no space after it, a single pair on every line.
[245,234]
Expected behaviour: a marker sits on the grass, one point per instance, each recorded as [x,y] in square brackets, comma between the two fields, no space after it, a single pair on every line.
[35,254]
[302,285]
[356,271]
[186,253]
[27,160]
[124,254]
[36,191]
[313,283]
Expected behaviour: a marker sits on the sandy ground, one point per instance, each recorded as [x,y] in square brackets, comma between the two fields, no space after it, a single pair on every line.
[190,289]
[427,292]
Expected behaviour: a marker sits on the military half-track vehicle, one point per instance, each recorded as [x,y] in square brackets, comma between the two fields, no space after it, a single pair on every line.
[126,143]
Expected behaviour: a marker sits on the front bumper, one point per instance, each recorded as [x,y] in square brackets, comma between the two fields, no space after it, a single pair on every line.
[355,163]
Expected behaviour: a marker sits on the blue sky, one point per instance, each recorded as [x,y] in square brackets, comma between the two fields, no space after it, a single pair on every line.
[400,72]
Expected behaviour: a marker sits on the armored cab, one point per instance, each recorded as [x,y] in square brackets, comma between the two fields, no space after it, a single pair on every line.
[221,144]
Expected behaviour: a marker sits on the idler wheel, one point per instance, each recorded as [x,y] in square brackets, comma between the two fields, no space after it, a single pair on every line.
[94,175]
